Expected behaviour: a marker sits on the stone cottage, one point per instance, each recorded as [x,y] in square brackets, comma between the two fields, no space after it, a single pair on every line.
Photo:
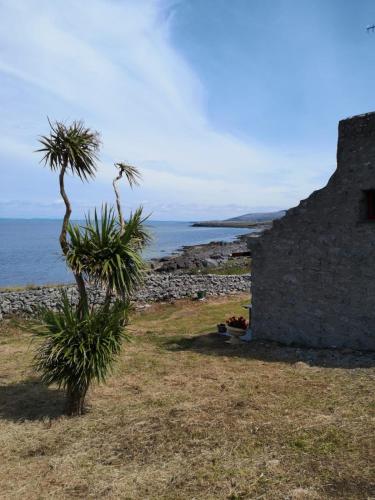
[313,272]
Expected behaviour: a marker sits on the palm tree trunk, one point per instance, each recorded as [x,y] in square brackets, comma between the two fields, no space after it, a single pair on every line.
[83,303]
[119,210]
[83,300]
[68,211]
[75,401]
[108,297]
[118,202]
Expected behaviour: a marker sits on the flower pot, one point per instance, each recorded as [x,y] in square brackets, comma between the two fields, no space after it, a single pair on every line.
[221,328]
[236,332]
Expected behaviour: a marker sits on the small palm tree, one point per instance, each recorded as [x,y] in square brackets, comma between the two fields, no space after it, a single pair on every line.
[107,254]
[81,342]
[77,350]
[133,177]
[71,148]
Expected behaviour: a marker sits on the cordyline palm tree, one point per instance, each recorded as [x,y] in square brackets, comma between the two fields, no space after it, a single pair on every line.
[133,177]
[80,342]
[73,149]
[106,252]
[77,350]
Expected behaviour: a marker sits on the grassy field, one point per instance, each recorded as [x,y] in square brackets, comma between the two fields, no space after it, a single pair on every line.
[232,266]
[187,416]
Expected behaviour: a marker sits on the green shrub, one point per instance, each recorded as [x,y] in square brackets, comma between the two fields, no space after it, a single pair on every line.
[76,351]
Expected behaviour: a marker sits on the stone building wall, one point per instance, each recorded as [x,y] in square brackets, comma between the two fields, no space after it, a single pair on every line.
[313,272]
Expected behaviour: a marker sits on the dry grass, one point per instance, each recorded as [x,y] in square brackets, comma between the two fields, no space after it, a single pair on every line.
[187,416]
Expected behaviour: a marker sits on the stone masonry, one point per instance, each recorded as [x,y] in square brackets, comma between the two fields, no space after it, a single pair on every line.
[157,287]
[313,272]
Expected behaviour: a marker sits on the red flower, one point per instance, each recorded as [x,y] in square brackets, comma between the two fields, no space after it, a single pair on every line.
[238,322]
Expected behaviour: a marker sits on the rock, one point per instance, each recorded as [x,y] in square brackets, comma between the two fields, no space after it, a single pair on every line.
[210,262]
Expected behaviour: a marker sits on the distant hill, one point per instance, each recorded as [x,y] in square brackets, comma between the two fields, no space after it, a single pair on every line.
[248,220]
[259,216]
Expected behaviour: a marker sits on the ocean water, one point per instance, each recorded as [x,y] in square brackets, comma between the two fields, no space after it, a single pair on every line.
[30,252]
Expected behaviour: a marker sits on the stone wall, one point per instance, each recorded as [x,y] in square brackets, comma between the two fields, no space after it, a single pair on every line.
[313,272]
[158,287]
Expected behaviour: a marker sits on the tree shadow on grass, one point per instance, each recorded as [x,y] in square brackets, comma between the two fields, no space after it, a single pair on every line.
[214,345]
[30,400]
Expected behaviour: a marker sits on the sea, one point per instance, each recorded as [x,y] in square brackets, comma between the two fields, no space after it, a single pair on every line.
[30,253]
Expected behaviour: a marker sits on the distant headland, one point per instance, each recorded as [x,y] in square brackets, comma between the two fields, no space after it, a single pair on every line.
[246,220]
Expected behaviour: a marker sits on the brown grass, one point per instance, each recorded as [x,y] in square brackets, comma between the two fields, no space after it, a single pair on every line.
[187,416]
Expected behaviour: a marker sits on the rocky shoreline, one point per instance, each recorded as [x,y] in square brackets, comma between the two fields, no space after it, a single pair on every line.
[157,287]
[190,259]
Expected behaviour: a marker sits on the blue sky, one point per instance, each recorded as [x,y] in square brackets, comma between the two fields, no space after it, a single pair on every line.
[225,106]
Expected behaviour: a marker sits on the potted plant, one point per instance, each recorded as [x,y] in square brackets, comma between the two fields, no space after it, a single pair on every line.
[237,325]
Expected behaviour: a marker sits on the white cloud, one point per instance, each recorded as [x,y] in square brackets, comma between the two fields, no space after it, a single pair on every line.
[113,63]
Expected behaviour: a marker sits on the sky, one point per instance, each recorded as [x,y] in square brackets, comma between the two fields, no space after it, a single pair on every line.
[226,107]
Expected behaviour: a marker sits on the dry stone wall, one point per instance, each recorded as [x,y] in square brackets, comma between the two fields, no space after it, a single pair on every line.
[157,287]
[313,272]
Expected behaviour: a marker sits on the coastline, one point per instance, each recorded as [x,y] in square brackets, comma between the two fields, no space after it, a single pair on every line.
[192,258]
[40,262]
[239,224]
[188,259]
[209,256]
[178,276]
